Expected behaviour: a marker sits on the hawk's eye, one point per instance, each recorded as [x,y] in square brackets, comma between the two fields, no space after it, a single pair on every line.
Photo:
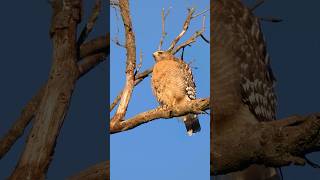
[160,52]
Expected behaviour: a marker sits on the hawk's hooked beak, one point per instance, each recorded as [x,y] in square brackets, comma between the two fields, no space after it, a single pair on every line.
[154,54]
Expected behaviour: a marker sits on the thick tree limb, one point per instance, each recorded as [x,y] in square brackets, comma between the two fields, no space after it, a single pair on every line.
[195,106]
[90,61]
[94,46]
[275,144]
[130,63]
[99,171]
[54,104]
[93,52]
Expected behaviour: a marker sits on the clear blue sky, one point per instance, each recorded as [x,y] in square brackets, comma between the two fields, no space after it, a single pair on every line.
[160,149]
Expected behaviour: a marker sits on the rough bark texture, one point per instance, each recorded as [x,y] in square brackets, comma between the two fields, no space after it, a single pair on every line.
[195,106]
[239,144]
[92,52]
[273,144]
[53,107]
[97,45]
[130,64]
[71,60]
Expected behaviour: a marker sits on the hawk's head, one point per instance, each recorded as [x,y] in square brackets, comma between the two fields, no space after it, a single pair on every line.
[162,55]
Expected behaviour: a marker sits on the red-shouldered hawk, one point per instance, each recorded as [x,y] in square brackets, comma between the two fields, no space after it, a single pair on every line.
[243,83]
[173,85]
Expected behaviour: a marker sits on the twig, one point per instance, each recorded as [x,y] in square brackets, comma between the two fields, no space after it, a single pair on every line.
[205,39]
[116,38]
[199,14]
[140,63]
[312,164]
[98,171]
[192,39]
[270,19]
[130,64]
[117,42]
[182,53]
[256,5]
[163,20]
[92,20]
[184,29]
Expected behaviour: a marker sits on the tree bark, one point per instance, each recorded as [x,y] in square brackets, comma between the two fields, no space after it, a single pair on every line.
[273,144]
[53,107]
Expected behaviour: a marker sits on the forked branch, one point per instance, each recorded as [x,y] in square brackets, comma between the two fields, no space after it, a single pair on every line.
[92,52]
[184,29]
[130,63]
[90,24]
[173,49]
[275,144]
[192,39]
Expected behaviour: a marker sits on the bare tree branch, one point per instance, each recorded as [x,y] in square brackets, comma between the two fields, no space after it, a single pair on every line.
[117,42]
[90,24]
[90,62]
[98,171]
[256,5]
[49,106]
[196,106]
[116,39]
[163,21]
[275,144]
[138,78]
[20,124]
[201,13]
[270,19]
[54,104]
[99,45]
[184,29]
[130,63]
[94,46]
[192,39]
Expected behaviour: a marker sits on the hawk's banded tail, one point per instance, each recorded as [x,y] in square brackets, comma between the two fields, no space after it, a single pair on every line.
[192,123]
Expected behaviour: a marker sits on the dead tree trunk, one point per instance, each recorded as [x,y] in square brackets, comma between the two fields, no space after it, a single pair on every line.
[53,107]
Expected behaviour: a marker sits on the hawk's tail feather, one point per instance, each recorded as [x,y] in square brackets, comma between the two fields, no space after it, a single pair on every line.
[192,123]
